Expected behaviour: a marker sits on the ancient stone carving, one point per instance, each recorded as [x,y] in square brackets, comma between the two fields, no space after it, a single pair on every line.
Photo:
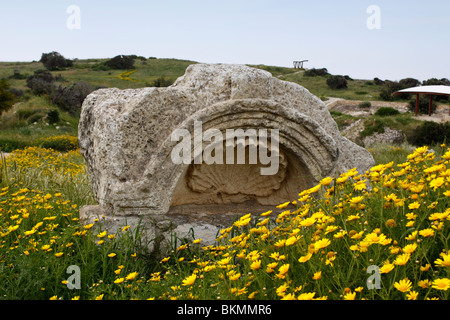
[127,139]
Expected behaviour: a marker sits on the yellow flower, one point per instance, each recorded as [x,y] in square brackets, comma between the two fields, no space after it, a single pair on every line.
[356,200]
[283,269]
[189,281]
[100,297]
[387,267]
[425,268]
[443,263]
[317,275]
[281,290]
[360,185]
[326,181]
[131,276]
[88,226]
[308,222]
[410,248]
[291,240]
[255,265]
[427,232]
[441,284]
[112,255]
[412,295]
[402,259]
[436,183]
[403,285]
[303,259]
[412,236]
[414,205]
[340,234]
[46,247]
[350,296]
[119,280]
[59,254]
[264,214]
[424,283]
[283,205]
[323,243]
[102,234]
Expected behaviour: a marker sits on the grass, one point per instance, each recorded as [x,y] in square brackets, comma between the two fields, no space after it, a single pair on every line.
[357,89]
[320,247]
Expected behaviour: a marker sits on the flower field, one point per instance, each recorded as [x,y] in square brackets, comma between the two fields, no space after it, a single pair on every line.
[381,234]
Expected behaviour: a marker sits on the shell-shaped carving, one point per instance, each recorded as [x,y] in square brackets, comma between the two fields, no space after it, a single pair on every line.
[238,178]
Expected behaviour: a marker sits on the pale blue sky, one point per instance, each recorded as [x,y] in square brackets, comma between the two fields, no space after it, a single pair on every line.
[413,40]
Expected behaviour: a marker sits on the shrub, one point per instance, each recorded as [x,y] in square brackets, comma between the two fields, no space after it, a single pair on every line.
[55,61]
[409,83]
[424,105]
[71,98]
[120,62]
[337,82]
[10,144]
[438,82]
[316,72]
[372,126]
[53,116]
[41,82]
[386,111]
[378,81]
[365,104]
[430,133]
[162,82]
[59,143]
[6,96]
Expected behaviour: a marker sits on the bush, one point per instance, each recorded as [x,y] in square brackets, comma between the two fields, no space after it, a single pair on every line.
[378,81]
[59,143]
[162,82]
[120,62]
[53,116]
[316,72]
[55,61]
[71,98]
[438,82]
[9,144]
[372,126]
[424,105]
[337,82]
[386,111]
[41,82]
[430,133]
[6,96]
[365,104]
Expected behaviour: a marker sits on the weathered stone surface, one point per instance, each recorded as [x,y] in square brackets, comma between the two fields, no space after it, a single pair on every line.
[389,136]
[125,137]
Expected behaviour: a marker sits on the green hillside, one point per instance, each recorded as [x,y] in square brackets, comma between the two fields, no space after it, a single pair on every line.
[30,119]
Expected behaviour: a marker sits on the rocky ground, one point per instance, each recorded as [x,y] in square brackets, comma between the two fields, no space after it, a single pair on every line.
[391,136]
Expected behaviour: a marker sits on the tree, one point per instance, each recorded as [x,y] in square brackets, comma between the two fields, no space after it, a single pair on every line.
[337,82]
[120,62]
[41,82]
[55,61]
[6,96]
[71,98]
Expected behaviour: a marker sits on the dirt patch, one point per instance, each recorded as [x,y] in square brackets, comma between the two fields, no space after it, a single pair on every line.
[351,107]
